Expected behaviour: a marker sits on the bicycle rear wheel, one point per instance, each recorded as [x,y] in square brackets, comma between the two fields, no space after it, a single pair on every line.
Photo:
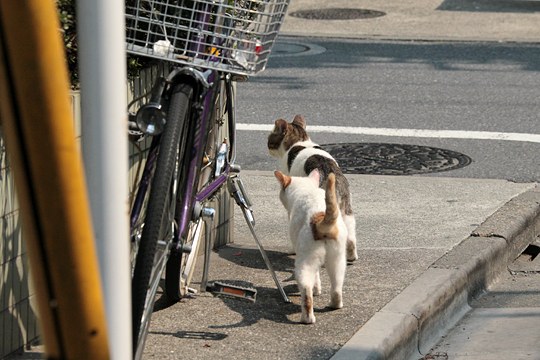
[159,227]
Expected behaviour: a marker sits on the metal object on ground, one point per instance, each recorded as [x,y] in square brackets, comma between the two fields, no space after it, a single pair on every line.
[241,292]
[394,159]
[286,48]
[237,191]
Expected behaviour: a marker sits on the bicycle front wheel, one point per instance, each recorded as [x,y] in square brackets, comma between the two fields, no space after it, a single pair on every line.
[182,263]
[159,226]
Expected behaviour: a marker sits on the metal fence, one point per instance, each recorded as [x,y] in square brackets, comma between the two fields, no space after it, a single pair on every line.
[18,322]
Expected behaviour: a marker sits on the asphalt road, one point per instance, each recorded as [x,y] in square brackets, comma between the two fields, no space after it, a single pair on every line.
[459,86]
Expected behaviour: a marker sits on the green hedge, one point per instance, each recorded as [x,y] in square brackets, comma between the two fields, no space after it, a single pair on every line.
[68,23]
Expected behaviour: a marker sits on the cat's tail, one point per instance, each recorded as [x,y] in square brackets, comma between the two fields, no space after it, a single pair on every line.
[332,207]
[325,224]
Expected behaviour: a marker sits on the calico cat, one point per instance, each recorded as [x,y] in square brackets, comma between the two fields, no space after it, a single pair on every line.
[298,156]
[318,234]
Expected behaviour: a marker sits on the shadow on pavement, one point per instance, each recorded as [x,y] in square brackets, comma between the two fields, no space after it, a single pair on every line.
[360,54]
[252,258]
[194,335]
[263,309]
[511,6]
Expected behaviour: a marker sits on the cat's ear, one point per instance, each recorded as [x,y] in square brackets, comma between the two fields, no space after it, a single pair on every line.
[280,126]
[283,179]
[315,175]
[300,120]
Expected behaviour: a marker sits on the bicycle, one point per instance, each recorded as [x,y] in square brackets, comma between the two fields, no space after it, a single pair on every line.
[190,118]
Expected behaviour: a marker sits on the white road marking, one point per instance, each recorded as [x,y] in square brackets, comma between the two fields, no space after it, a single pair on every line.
[415,133]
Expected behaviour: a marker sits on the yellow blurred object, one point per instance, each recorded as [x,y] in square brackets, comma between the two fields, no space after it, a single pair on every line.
[40,139]
[214,51]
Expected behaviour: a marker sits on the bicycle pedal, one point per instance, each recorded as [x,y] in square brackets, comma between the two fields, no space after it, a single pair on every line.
[220,288]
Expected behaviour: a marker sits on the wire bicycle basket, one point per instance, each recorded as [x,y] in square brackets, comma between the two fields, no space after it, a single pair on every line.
[229,35]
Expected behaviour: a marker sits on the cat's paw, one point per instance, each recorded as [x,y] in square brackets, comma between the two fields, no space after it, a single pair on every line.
[317,291]
[336,302]
[351,251]
[336,305]
[307,319]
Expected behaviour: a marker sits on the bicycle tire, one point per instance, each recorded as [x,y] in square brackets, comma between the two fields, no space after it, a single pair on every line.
[159,222]
[224,202]
[181,265]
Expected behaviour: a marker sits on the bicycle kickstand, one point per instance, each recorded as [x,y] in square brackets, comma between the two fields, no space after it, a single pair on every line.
[238,192]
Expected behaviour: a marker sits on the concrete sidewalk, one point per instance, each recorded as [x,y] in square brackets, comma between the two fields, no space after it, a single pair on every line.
[456,20]
[418,264]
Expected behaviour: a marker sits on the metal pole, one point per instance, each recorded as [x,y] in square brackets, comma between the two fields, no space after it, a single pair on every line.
[102,64]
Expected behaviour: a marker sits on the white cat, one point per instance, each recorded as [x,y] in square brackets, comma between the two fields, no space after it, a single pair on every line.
[318,234]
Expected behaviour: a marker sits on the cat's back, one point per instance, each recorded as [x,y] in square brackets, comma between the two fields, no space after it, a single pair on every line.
[305,156]
[305,199]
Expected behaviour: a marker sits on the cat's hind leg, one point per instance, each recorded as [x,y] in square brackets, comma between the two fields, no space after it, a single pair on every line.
[305,276]
[336,265]
[350,223]
[308,316]
[317,288]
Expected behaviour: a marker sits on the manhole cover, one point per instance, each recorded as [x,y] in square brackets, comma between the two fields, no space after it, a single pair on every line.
[285,48]
[394,159]
[337,14]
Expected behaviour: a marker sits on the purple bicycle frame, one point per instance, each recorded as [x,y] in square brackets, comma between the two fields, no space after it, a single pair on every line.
[210,188]
[198,146]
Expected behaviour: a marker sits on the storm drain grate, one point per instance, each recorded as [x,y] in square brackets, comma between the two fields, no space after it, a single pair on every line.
[337,14]
[394,159]
[528,262]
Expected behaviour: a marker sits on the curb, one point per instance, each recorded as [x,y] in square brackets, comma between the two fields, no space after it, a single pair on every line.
[410,324]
